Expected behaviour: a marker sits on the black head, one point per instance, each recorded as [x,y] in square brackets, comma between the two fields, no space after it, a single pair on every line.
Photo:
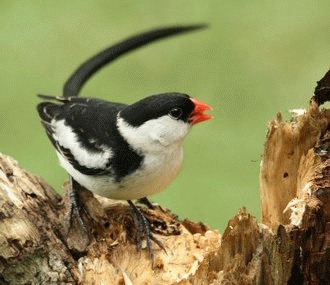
[176,105]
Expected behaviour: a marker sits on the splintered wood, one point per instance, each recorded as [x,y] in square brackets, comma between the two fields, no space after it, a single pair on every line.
[291,246]
[289,164]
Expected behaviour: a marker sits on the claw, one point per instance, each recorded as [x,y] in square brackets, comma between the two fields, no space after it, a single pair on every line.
[75,206]
[144,229]
[159,243]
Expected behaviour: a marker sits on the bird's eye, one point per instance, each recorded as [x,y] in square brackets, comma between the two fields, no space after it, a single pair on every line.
[176,113]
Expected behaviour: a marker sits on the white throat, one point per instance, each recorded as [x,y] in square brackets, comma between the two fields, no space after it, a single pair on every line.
[154,135]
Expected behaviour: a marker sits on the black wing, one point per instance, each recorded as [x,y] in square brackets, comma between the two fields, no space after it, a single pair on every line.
[93,123]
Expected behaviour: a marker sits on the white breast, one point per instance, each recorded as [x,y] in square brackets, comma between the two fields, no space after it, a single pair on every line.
[154,175]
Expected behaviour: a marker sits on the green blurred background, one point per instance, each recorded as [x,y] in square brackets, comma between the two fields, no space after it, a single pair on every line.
[253,61]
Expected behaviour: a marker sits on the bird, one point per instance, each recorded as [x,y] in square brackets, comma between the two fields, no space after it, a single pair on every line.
[116,150]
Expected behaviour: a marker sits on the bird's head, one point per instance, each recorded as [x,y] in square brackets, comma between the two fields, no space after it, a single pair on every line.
[160,120]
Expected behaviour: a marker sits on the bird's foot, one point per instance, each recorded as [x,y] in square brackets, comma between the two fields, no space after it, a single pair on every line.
[77,230]
[76,207]
[76,210]
[144,230]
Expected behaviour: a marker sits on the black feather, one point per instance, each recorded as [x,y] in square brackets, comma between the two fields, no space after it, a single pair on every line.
[86,70]
[155,106]
[94,123]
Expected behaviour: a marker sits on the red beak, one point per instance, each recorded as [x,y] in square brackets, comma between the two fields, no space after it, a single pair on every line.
[198,115]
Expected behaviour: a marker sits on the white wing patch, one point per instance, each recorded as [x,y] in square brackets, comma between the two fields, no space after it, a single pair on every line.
[65,136]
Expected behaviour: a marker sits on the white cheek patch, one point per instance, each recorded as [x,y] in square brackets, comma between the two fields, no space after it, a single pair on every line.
[161,132]
[65,136]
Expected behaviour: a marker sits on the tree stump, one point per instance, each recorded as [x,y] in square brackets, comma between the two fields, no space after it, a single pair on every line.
[290,246]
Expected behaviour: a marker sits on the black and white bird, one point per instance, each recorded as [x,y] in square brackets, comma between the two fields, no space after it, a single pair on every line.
[115,150]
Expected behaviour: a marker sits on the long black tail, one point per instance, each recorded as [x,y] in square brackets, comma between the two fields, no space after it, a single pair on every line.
[76,81]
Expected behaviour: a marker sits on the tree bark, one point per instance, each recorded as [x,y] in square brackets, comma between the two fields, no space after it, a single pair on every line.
[290,246]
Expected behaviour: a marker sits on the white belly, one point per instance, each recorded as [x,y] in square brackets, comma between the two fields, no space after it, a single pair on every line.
[154,175]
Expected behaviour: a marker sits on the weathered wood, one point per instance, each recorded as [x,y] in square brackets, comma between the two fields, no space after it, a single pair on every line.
[291,246]
[36,246]
[295,196]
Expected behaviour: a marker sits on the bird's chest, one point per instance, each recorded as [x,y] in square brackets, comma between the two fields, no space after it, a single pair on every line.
[164,165]
[156,172]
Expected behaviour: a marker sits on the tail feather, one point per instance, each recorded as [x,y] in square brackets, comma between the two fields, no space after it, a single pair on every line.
[76,81]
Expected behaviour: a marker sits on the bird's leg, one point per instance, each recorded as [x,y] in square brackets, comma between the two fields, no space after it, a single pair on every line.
[75,205]
[144,228]
[145,201]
